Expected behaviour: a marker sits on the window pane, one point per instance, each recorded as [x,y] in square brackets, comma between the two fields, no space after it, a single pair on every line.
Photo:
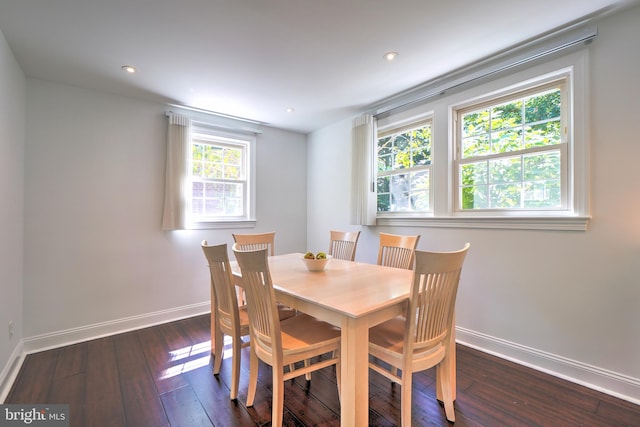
[474,173]
[475,123]
[543,106]
[384,163]
[507,140]
[475,197]
[197,189]
[212,154]
[384,146]
[542,175]
[212,189]
[476,146]
[384,202]
[504,196]
[505,170]
[543,134]
[420,191]
[506,116]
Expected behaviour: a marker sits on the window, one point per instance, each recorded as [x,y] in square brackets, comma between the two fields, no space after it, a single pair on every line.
[403,157]
[510,151]
[219,177]
[209,173]
[513,151]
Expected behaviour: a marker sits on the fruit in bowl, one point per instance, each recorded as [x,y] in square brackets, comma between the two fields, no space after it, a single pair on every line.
[315,262]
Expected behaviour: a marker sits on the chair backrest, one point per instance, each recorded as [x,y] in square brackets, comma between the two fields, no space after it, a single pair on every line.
[222,286]
[264,325]
[342,244]
[433,297]
[252,242]
[397,251]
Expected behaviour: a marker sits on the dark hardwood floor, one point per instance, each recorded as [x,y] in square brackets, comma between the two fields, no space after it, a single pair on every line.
[162,376]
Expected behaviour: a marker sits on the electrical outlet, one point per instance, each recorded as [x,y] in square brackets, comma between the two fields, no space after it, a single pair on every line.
[10,329]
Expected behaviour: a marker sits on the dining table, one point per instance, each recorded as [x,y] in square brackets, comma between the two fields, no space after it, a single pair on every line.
[351,295]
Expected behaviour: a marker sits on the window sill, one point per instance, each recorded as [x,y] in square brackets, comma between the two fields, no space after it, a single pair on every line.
[569,223]
[212,225]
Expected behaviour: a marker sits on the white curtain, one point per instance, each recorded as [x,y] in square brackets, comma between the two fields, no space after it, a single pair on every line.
[364,205]
[175,198]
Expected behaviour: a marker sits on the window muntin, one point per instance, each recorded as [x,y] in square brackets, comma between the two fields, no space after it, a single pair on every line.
[403,159]
[218,181]
[513,151]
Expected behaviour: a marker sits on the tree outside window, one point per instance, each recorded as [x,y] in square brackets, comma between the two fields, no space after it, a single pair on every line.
[512,153]
[403,170]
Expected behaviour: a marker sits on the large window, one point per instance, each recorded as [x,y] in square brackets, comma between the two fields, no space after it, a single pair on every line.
[403,157]
[508,152]
[219,178]
[513,151]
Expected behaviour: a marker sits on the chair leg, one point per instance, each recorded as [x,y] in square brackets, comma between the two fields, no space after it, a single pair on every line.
[405,399]
[444,383]
[277,412]
[235,367]
[338,373]
[253,377]
[217,352]
[307,376]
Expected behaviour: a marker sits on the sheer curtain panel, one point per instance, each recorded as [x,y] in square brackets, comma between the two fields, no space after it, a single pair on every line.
[363,209]
[175,199]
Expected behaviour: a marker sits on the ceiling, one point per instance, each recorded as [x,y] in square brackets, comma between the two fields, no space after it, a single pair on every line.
[256,58]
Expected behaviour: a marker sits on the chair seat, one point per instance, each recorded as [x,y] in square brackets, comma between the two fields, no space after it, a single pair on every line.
[307,333]
[386,342]
[284,313]
[389,335]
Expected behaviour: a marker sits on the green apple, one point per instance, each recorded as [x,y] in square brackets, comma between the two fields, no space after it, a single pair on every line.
[309,255]
[321,255]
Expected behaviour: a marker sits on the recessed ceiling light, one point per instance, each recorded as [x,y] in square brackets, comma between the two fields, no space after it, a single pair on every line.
[390,56]
[129,69]
[290,110]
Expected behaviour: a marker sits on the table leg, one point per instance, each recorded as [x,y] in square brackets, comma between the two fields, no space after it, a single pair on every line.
[354,359]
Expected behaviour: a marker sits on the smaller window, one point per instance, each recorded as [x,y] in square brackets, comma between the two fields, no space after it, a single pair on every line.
[219,178]
[403,158]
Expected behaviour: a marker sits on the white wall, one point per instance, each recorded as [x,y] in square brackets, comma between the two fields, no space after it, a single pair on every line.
[12,125]
[578,316]
[96,260]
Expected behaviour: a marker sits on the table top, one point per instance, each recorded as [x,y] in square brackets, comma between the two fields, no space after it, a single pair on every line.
[353,289]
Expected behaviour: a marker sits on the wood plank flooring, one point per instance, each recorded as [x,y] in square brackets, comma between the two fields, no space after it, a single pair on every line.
[162,376]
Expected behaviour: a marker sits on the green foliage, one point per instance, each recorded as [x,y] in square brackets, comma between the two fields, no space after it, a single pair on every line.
[399,187]
[518,181]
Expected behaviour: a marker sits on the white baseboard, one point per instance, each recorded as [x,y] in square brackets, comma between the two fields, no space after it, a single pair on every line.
[71,336]
[10,371]
[612,383]
[609,382]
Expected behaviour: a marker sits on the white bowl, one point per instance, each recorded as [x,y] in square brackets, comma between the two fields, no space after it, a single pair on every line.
[316,264]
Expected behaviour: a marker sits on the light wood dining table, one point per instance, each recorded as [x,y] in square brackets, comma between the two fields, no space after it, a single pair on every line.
[353,296]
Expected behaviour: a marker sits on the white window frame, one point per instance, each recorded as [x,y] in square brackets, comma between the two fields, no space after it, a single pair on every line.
[562,81]
[444,187]
[201,133]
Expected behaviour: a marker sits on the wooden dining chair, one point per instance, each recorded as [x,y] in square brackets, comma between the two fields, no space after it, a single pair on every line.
[342,244]
[288,343]
[251,242]
[396,250]
[227,318]
[422,338]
